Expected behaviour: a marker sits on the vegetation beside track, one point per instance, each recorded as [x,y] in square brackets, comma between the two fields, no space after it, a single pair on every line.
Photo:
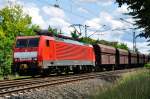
[13,77]
[147,65]
[132,86]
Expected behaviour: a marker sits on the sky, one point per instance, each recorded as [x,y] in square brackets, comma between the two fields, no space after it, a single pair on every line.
[102,17]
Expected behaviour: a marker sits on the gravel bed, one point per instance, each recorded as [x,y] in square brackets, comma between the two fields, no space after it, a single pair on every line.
[76,90]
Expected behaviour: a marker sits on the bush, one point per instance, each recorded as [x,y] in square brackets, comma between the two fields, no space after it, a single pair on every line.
[147,65]
[132,87]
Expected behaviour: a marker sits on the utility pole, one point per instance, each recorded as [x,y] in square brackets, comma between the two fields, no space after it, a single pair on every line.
[134,42]
[80,25]
[86,30]
[134,37]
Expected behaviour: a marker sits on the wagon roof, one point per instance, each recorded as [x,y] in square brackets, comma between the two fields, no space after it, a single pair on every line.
[105,46]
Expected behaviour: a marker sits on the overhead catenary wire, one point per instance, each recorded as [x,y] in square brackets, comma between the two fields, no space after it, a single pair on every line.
[92,13]
[68,11]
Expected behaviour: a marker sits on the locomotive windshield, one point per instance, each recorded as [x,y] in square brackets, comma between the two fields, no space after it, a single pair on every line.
[23,43]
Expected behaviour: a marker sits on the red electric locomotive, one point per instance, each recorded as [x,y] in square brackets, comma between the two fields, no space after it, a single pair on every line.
[45,54]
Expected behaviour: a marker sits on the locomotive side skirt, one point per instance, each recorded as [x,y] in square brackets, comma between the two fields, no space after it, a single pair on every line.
[46,64]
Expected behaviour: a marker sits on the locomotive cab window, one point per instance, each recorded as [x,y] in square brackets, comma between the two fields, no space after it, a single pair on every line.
[34,42]
[47,43]
[24,43]
[21,43]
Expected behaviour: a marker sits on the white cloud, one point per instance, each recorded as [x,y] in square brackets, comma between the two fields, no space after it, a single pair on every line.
[58,23]
[2,4]
[122,9]
[104,19]
[141,46]
[93,1]
[12,1]
[83,10]
[111,23]
[31,9]
[99,2]
[34,12]
[54,12]
[56,18]
[109,20]
[93,23]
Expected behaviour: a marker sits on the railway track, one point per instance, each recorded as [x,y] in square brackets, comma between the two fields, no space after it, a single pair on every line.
[7,88]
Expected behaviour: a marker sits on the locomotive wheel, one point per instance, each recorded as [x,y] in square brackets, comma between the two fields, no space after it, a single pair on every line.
[45,72]
[98,69]
[93,69]
[67,70]
[76,70]
[58,72]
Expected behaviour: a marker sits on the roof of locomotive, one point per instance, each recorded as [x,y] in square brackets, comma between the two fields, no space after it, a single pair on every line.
[72,41]
[56,38]
[24,37]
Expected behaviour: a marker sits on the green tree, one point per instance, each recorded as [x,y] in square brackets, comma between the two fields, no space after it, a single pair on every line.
[140,10]
[113,44]
[121,46]
[14,23]
[74,34]
[87,40]
[53,31]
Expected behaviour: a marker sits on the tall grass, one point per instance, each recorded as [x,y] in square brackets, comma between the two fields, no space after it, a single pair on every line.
[147,65]
[132,86]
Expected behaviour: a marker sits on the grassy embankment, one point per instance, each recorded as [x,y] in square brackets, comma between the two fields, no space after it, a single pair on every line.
[134,85]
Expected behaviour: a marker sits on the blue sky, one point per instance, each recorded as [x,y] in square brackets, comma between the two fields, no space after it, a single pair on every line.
[94,13]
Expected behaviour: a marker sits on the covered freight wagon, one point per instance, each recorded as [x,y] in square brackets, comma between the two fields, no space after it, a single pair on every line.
[105,56]
[122,58]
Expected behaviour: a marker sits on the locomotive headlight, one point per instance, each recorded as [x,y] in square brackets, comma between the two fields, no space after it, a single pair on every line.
[34,58]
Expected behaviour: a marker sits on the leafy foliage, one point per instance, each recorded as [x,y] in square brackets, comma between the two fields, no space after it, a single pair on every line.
[140,10]
[53,31]
[75,35]
[87,40]
[121,46]
[147,65]
[14,23]
[134,85]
